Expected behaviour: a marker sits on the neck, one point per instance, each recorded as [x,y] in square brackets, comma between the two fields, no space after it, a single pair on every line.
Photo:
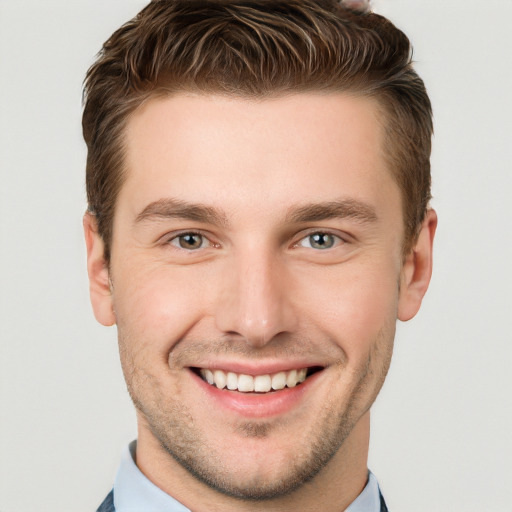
[333,489]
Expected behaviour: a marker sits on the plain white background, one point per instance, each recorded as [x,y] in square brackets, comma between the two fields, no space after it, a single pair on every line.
[442,426]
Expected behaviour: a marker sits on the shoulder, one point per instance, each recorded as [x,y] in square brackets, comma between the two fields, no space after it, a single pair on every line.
[108,504]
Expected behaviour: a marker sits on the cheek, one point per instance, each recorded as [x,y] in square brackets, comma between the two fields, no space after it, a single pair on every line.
[355,304]
[156,307]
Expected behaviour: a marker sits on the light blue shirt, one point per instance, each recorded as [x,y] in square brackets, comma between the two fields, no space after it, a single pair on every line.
[133,492]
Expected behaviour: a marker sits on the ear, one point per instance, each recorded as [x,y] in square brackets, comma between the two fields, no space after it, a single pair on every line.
[97,268]
[417,270]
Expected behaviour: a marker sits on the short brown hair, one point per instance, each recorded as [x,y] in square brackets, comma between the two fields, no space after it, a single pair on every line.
[256,48]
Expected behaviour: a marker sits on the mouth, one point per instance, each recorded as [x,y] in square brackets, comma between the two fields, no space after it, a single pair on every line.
[266,383]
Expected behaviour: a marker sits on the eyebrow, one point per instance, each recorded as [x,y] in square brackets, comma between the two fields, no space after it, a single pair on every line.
[170,208]
[346,208]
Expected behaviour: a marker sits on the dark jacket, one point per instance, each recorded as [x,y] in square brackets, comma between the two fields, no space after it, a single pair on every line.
[108,504]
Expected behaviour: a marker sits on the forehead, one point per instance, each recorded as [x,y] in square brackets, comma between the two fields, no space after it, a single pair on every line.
[243,153]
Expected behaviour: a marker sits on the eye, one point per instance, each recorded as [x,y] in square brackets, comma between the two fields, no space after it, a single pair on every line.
[320,241]
[190,241]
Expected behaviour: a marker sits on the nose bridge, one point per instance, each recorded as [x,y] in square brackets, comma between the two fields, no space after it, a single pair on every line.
[255,305]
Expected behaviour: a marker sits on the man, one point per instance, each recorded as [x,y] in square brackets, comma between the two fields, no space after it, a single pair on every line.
[258,182]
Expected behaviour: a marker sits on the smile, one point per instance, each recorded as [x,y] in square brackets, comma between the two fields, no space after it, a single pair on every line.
[255,383]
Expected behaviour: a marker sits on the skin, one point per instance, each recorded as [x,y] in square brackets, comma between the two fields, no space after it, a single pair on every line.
[256,293]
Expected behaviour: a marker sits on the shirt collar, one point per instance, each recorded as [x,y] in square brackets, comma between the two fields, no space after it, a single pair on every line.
[369,499]
[133,492]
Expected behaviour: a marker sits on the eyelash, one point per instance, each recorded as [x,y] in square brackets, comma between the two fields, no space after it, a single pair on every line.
[175,240]
[337,240]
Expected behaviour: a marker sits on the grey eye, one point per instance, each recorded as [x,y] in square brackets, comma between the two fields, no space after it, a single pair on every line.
[319,241]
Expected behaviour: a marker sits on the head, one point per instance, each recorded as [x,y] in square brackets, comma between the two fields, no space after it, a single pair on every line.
[258,181]
[254,49]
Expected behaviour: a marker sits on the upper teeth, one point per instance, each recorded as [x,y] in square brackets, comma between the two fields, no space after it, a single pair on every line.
[250,383]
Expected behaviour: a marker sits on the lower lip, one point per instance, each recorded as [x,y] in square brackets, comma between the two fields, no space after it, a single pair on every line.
[258,405]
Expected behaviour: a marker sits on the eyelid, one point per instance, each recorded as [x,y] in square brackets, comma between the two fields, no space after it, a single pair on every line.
[166,239]
[169,237]
[341,237]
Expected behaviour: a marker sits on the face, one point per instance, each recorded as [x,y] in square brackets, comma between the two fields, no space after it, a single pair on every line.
[256,277]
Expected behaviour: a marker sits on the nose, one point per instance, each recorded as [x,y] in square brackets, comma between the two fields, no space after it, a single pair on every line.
[256,303]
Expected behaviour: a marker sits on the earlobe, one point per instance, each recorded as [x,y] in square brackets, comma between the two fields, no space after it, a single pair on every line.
[417,270]
[97,269]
